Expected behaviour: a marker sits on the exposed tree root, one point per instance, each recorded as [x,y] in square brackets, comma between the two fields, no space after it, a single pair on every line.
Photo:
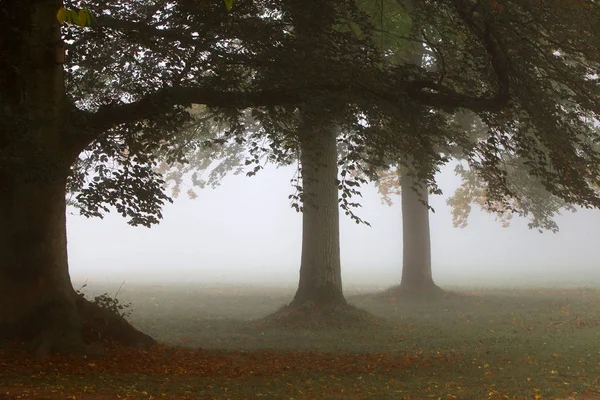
[101,326]
[430,292]
[82,328]
[313,317]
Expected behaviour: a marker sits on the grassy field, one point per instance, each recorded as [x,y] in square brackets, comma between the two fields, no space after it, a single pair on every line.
[493,343]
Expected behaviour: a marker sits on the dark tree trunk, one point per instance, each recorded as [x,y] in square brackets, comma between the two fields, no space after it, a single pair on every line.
[320,269]
[417,279]
[37,299]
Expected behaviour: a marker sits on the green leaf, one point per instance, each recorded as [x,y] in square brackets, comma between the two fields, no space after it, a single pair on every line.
[83,18]
[73,17]
[90,17]
[229,4]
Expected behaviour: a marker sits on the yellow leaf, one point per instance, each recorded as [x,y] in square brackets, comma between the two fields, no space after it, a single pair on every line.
[61,15]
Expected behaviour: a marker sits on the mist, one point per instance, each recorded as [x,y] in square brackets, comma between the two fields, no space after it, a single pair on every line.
[245,232]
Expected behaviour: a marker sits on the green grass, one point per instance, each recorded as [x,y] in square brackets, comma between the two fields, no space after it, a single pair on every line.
[479,344]
[514,340]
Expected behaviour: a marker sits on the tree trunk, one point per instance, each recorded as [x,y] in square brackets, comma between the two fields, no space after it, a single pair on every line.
[416,255]
[320,267]
[37,299]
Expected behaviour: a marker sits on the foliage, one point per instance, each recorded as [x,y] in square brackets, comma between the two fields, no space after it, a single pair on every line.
[388,185]
[82,17]
[131,185]
[209,154]
[517,64]
[530,199]
[110,304]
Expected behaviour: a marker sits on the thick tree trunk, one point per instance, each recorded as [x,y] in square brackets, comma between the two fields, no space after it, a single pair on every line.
[36,296]
[417,279]
[320,268]
[37,299]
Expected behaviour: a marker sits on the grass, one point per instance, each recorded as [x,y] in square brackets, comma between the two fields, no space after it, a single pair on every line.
[478,344]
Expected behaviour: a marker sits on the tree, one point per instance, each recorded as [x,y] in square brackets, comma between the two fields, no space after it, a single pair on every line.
[125,101]
[522,193]
[417,278]
[312,137]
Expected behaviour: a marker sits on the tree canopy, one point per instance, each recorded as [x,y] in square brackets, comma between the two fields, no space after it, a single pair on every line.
[528,69]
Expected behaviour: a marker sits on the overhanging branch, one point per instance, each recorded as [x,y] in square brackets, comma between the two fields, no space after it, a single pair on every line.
[152,104]
[181,35]
[109,116]
[440,96]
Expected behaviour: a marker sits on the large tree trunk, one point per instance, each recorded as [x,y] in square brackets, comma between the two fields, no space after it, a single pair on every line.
[417,279]
[37,300]
[320,268]
[36,296]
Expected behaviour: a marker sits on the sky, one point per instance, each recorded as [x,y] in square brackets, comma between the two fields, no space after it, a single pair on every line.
[245,232]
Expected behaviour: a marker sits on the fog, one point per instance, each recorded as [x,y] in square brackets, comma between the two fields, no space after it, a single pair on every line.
[245,232]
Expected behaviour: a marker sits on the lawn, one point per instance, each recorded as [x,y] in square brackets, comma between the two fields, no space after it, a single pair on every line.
[475,344]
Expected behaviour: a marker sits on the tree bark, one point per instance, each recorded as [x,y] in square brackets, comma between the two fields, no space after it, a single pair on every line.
[320,267]
[37,299]
[417,278]
[36,296]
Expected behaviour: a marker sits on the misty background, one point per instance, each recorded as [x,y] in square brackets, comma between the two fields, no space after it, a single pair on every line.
[245,232]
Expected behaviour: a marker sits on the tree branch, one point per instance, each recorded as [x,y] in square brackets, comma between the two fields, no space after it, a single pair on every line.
[109,116]
[182,36]
[152,104]
[440,96]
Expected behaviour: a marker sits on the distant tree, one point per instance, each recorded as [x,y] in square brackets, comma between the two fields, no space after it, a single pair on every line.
[522,192]
[399,177]
[529,199]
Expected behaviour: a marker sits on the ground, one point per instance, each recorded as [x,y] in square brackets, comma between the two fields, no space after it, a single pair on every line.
[531,343]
